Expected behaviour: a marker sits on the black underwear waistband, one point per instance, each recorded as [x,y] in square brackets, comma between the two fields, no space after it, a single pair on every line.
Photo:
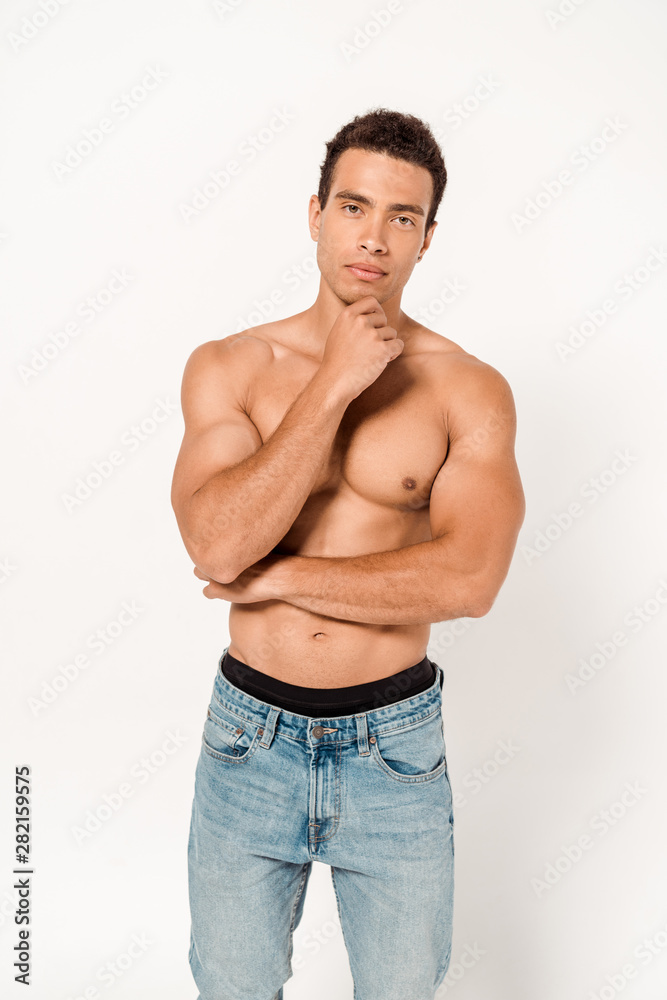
[329,702]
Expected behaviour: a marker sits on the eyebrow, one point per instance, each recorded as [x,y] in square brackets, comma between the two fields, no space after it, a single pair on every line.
[363,200]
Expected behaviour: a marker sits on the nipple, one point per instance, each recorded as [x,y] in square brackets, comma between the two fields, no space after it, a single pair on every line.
[409,483]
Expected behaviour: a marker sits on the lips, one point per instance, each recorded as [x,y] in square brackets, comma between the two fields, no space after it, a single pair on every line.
[368,272]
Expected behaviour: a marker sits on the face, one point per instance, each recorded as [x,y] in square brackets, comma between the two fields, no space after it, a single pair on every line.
[375,214]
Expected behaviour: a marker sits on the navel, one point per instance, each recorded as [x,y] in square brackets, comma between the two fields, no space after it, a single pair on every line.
[409,483]
[318,635]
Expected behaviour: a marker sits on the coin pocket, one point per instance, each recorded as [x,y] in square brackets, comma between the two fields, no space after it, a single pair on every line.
[226,737]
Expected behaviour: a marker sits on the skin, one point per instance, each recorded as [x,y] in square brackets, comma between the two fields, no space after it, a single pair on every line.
[416,507]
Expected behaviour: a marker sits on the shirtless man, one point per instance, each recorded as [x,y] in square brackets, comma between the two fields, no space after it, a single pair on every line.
[346,478]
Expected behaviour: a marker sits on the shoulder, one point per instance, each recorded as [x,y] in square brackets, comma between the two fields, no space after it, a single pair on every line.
[232,350]
[475,396]
[232,360]
[464,374]
[221,371]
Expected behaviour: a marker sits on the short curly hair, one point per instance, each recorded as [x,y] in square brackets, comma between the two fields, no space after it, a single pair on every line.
[396,134]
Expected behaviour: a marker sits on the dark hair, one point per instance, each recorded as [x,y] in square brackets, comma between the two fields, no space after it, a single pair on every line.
[396,134]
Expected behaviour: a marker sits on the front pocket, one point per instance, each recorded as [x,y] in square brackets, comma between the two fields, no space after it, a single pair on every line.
[413,754]
[227,738]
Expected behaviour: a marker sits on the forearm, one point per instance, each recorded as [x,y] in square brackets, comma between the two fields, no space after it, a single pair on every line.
[399,587]
[241,513]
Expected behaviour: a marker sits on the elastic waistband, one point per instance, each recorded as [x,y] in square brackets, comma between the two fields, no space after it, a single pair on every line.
[328,701]
[328,726]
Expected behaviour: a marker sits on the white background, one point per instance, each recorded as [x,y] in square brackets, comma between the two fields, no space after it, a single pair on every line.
[539,923]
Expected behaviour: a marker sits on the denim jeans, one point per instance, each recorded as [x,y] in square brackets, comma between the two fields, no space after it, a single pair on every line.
[367,794]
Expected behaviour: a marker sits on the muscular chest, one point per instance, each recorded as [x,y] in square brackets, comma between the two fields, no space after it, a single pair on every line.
[391,440]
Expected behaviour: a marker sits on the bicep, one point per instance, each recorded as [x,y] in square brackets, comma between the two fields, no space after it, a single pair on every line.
[477,500]
[218,432]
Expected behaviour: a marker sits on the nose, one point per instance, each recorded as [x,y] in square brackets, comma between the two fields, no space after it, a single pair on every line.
[372,240]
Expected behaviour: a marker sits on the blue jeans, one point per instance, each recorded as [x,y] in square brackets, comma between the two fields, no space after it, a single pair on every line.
[368,794]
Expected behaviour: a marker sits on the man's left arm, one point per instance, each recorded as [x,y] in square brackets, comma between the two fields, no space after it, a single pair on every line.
[476,509]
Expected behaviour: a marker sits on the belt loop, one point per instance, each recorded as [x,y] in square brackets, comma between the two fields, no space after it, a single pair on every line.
[362,735]
[270,727]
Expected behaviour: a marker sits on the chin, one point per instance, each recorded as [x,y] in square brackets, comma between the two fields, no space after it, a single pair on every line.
[349,296]
[345,295]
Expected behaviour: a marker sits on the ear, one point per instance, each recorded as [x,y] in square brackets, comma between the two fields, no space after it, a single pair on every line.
[427,239]
[314,215]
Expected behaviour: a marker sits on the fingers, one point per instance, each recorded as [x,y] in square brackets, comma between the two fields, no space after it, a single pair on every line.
[388,333]
[366,304]
[369,306]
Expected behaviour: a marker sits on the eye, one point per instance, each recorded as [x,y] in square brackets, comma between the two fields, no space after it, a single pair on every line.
[406,219]
[351,206]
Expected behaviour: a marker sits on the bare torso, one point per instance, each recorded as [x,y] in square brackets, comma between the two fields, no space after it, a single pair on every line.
[371,496]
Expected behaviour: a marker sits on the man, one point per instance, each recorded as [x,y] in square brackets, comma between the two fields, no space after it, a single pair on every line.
[346,478]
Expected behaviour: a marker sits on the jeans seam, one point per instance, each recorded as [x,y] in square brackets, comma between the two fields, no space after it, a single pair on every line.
[290,950]
[336,816]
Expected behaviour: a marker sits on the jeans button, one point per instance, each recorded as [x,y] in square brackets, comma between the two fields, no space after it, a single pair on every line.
[318,731]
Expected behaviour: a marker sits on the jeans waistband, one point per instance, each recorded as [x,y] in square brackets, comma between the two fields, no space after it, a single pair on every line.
[323,729]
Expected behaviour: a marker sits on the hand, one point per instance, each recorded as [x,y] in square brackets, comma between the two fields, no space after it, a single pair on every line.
[254,584]
[359,347]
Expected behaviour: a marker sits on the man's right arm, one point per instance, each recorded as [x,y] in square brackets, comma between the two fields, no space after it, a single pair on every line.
[235,497]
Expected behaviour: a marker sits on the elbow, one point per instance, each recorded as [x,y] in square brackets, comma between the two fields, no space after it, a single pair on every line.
[482,600]
[221,574]
[221,570]
[209,553]
[479,601]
